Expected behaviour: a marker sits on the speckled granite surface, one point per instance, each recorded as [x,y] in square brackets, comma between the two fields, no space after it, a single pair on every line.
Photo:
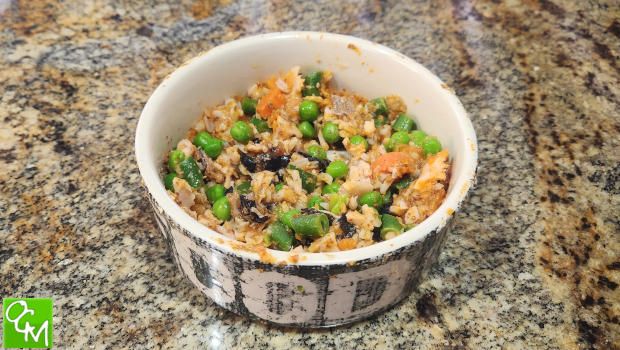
[533,262]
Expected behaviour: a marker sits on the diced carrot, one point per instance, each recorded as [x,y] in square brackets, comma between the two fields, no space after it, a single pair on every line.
[386,162]
[346,244]
[273,100]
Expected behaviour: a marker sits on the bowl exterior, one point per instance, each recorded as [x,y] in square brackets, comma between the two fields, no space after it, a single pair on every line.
[300,295]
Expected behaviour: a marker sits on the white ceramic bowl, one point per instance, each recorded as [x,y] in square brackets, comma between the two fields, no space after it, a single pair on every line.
[321,289]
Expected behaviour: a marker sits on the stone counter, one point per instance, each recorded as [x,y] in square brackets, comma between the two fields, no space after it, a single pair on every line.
[534,257]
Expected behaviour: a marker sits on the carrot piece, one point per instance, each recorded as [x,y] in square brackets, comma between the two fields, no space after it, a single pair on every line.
[346,244]
[386,162]
[273,100]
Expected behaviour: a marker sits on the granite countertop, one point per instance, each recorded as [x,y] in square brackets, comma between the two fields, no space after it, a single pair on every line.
[533,260]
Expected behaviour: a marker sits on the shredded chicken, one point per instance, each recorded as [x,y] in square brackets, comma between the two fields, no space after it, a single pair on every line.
[422,197]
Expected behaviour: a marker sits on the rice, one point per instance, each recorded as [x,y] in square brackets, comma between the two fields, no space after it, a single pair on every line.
[277,170]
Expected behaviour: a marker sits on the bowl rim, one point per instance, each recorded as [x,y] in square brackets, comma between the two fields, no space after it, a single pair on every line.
[435,222]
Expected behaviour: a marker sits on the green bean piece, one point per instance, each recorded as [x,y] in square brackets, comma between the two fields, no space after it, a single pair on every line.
[337,203]
[311,225]
[389,145]
[281,236]
[310,91]
[380,121]
[403,123]
[380,106]
[308,180]
[333,187]
[191,172]
[287,217]
[307,130]
[331,133]
[314,78]
[337,168]
[315,201]
[317,151]
[308,111]
[248,106]
[215,192]
[359,140]
[372,199]
[221,209]
[168,181]
[403,183]
[244,187]
[390,224]
[279,186]
[387,197]
[175,157]
[241,132]
[417,136]
[260,125]
[431,145]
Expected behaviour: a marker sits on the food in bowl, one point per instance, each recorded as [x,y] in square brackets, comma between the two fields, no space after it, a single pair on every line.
[297,164]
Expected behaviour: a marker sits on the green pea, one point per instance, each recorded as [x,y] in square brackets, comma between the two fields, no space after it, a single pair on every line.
[337,168]
[279,186]
[307,130]
[287,217]
[314,78]
[311,225]
[210,145]
[403,123]
[380,106]
[359,140]
[221,209]
[330,132]
[260,125]
[333,187]
[281,236]
[201,139]
[317,151]
[417,136]
[315,201]
[175,157]
[337,203]
[400,138]
[241,132]
[248,106]
[372,199]
[215,192]
[431,145]
[244,188]
[308,111]
[390,223]
[191,172]
[168,179]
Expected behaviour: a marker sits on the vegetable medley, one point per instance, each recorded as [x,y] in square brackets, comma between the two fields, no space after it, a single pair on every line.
[297,165]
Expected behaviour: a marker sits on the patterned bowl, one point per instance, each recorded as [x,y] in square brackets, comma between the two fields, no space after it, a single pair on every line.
[320,289]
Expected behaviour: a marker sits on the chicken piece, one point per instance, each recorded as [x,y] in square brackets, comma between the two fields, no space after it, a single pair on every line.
[359,179]
[422,197]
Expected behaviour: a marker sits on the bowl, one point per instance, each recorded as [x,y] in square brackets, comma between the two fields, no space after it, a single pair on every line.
[317,289]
